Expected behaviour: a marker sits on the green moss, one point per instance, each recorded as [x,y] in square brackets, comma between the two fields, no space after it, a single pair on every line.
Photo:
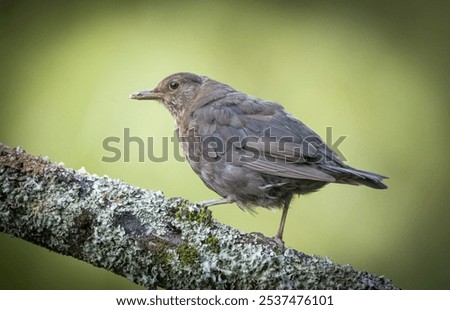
[186,254]
[203,215]
[213,244]
[164,258]
[159,247]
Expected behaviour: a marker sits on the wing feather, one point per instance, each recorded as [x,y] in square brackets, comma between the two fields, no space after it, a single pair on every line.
[249,124]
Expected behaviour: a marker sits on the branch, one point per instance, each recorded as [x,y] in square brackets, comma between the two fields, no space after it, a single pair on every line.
[151,240]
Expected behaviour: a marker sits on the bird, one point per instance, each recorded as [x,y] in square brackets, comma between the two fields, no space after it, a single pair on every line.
[249,151]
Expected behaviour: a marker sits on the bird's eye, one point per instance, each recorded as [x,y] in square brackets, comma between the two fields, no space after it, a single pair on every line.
[174,85]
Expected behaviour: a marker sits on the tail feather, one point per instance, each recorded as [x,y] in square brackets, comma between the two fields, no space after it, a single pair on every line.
[354,176]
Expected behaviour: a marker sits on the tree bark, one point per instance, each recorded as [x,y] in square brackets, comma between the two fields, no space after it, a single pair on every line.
[149,239]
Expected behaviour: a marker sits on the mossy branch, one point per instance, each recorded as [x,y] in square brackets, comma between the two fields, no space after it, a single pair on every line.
[151,240]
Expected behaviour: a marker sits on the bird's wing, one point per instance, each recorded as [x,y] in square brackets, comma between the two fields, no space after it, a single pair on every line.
[265,136]
[285,169]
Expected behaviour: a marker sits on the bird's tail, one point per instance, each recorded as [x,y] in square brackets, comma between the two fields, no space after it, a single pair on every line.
[349,175]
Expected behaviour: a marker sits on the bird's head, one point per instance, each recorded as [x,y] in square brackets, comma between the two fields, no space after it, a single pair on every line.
[176,92]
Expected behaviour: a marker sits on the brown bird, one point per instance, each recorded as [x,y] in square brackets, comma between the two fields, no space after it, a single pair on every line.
[248,150]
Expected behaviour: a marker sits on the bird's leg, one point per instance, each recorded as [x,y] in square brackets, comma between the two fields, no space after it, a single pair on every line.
[279,234]
[208,203]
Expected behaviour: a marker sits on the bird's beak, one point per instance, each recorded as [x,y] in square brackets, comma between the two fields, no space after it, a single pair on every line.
[146,95]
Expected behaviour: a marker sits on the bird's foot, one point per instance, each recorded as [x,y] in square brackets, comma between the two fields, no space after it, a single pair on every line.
[208,203]
[278,240]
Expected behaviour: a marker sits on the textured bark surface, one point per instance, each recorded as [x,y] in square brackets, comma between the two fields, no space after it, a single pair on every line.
[149,239]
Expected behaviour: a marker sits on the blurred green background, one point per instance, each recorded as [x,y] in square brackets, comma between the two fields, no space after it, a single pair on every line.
[375,71]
